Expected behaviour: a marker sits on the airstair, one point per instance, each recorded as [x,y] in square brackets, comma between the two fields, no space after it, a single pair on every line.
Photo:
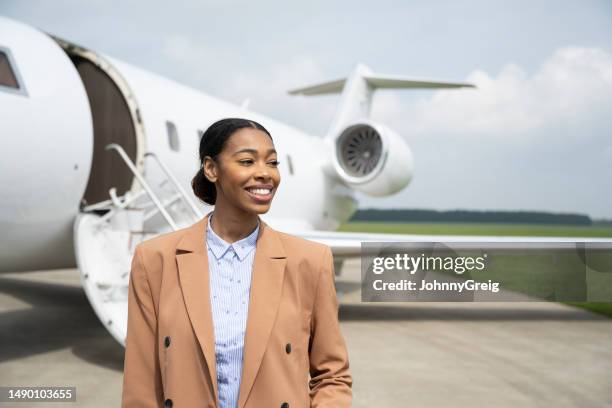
[106,234]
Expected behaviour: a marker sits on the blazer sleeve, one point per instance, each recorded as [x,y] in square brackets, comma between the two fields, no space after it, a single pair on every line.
[142,384]
[331,380]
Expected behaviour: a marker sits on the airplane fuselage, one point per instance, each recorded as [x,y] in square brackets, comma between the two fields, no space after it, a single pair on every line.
[58,120]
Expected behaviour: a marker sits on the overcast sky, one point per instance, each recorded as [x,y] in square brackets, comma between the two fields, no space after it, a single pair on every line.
[535,135]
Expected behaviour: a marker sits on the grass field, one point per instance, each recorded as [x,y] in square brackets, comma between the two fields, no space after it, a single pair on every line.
[434,228]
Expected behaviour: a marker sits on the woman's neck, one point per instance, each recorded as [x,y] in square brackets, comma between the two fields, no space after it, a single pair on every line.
[232,227]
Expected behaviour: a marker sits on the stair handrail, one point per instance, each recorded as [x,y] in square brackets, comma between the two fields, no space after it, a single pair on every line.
[143,183]
[194,208]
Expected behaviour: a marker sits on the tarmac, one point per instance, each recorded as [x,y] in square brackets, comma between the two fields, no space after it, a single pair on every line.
[527,354]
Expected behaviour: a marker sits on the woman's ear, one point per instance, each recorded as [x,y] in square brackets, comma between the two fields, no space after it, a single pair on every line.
[210,169]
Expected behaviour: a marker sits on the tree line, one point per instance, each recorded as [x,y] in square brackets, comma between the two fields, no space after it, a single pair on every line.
[514,217]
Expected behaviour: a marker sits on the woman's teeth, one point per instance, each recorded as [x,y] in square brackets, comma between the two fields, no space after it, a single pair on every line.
[259,191]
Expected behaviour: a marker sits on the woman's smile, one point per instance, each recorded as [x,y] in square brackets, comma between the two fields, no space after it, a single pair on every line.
[261,193]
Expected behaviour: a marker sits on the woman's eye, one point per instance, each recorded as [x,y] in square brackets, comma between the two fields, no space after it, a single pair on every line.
[249,161]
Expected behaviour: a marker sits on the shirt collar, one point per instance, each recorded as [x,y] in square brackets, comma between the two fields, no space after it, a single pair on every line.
[242,248]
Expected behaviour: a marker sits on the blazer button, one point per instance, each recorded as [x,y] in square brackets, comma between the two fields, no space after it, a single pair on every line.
[288,348]
[168,403]
[167,343]
[285,405]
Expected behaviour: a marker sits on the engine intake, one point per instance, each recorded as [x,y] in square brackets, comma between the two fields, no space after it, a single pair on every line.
[360,149]
[372,159]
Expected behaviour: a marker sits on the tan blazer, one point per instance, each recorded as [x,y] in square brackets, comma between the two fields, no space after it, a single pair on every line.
[294,353]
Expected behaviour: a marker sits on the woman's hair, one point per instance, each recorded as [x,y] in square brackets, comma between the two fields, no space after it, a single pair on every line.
[212,143]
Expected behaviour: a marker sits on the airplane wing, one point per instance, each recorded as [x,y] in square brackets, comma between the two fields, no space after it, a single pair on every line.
[348,244]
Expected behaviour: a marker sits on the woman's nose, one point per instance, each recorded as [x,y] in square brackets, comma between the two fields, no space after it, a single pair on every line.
[264,175]
[263,171]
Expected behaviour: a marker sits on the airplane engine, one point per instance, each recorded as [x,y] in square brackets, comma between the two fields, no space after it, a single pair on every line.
[372,159]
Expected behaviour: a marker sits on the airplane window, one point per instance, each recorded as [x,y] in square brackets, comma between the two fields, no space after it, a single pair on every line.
[290,165]
[173,138]
[7,75]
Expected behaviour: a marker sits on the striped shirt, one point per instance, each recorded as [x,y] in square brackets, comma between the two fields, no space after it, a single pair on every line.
[230,267]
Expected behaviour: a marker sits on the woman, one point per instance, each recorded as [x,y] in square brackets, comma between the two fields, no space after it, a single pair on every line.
[229,312]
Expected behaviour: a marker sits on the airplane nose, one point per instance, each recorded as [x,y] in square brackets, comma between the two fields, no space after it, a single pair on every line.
[46,152]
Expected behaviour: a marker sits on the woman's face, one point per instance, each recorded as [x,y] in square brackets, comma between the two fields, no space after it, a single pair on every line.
[246,174]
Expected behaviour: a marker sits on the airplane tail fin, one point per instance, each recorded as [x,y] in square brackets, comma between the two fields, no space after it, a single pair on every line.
[357,90]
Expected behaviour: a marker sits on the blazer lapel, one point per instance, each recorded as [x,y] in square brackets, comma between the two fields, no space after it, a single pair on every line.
[264,299]
[192,261]
[266,285]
